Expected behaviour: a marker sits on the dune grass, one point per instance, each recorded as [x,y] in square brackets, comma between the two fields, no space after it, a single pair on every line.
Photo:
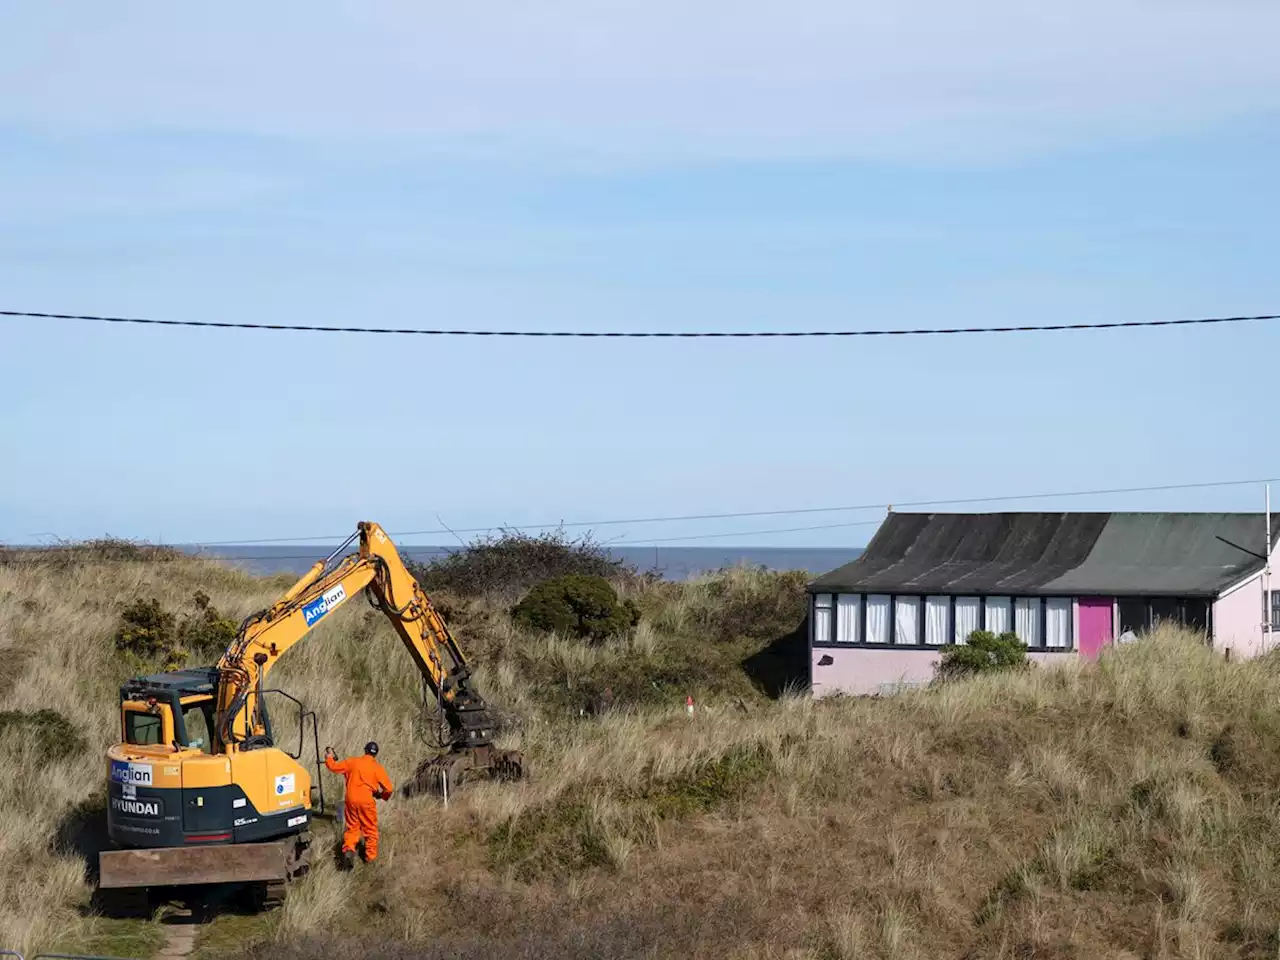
[1082,811]
[1121,809]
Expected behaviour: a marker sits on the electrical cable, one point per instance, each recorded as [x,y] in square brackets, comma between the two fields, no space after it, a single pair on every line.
[738,515]
[637,334]
[744,533]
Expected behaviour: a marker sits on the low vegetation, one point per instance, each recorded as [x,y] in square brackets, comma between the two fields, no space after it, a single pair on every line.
[152,637]
[579,606]
[507,564]
[46,732]
[982,652]
[1118,809]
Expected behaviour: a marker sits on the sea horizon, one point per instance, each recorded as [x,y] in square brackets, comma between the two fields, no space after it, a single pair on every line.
[669,562]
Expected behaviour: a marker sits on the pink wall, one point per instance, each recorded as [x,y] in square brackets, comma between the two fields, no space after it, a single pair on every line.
[1237,616]
[861,671]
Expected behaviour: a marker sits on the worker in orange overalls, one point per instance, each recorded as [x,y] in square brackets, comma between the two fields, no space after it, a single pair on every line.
[366,781]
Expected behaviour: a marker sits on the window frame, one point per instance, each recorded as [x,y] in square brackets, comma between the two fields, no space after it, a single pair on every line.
[1011,598]
[1071,625]
[1147,602]
[829,607]
[207,708]
[149,715]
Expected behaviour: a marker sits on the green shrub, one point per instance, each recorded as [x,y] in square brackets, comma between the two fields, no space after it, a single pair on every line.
[580,606]
[52,733]
[149,635]
[984,652]
[148,632]
[206,632]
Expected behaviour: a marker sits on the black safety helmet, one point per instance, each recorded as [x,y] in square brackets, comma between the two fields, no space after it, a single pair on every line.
[371,748]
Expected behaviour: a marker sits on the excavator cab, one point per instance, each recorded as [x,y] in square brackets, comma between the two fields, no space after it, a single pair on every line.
[173,783]
[175,790]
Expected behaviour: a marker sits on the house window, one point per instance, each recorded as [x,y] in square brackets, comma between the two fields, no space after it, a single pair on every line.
[1057,623]
[1164,610]
[822,618]
[999,615]
[1027,621]
[1275,609]
[937,617]
[906,620]
[848,618]
[1133,615]
[968,616]
[879,609]
[1195,614]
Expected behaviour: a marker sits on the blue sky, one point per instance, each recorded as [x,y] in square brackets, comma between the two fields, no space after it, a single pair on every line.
[641,166]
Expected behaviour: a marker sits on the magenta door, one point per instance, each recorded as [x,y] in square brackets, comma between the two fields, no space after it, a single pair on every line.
[1095,626]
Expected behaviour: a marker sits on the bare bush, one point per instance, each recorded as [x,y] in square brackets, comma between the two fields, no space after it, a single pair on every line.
[507,564]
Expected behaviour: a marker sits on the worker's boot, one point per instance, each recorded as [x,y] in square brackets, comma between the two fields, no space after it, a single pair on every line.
[348,860]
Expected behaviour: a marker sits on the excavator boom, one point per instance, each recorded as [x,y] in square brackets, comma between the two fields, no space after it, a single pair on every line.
[378,570]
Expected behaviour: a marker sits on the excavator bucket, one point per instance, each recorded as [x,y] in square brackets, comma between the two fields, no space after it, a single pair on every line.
[445,773]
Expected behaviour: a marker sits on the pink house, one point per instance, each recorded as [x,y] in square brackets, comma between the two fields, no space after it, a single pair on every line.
[1067,584]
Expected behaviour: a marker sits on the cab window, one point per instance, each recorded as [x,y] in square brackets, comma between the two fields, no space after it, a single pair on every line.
[143,729]
[198,719]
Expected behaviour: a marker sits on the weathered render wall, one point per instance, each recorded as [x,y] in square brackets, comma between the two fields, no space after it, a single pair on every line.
[861,671]
[1238,616]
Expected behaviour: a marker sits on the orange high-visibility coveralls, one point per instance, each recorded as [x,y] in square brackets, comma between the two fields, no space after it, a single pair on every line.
[365,780]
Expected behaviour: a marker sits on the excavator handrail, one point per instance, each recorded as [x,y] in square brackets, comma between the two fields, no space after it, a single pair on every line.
[303,714]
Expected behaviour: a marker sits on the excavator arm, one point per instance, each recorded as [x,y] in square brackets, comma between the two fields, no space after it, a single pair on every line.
[378,570]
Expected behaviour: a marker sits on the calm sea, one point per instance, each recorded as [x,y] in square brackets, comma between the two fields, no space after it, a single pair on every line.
[674,563]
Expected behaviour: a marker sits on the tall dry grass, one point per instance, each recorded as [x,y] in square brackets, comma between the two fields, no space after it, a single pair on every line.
[56,623]
[1123,806]
[58,613]
[1126,807]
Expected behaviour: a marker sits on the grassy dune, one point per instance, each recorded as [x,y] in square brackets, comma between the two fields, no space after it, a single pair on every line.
[1126,809]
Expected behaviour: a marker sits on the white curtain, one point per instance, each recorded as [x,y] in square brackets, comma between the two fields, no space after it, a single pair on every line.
[848,618]
[822,618]
[1027,626]
[999,618]
[1057,628]
[906,620]
[937,613]
[968,617]
[878,619]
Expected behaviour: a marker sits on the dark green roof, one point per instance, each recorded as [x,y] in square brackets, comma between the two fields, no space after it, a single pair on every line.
[1064,554]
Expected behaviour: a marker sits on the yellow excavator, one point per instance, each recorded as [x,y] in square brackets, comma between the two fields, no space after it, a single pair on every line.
[200,792]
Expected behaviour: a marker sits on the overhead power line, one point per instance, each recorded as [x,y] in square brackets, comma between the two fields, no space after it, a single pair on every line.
[636,334]
[622,542]
[739,515]
[743,533]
